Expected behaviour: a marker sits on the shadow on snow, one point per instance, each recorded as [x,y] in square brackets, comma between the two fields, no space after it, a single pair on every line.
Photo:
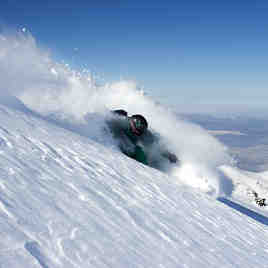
[250,213]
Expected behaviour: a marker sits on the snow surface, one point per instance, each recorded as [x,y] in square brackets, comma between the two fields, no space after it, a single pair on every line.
[67,201]
[69,198]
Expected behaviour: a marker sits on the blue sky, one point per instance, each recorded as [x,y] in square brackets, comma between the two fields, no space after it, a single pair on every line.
[182,52]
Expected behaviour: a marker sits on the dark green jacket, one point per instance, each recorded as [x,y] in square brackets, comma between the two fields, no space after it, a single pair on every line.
[147,148]
[129,143]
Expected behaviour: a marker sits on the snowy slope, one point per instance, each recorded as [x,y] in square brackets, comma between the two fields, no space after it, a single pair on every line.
[69,198]
[67,201]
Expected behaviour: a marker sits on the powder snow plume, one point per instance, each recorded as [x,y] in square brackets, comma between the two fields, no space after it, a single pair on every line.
[51,88]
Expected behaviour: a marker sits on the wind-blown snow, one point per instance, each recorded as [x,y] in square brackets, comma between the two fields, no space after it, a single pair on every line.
[74,98]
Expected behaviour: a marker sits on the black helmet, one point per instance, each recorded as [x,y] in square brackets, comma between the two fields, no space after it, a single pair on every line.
[120,112]
[139,123]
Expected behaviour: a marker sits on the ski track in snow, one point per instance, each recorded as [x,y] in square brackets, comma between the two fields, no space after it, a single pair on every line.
[66,201]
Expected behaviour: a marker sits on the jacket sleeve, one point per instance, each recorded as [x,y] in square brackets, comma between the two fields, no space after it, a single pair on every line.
[133,151]
[140,155]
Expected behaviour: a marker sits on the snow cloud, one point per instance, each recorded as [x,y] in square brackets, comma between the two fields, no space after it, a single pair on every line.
[29,73]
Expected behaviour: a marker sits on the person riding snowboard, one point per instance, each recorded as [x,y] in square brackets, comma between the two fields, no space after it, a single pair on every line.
[136,141]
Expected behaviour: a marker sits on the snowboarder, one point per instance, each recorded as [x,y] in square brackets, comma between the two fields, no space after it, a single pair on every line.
[136,141]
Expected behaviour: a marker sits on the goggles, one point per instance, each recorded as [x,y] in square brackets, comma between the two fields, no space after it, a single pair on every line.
[139,126]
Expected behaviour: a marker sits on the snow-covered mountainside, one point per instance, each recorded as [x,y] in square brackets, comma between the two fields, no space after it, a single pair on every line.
[68,201]
[69,198]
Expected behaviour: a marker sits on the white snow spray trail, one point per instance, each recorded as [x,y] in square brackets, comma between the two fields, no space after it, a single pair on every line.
[50,88]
